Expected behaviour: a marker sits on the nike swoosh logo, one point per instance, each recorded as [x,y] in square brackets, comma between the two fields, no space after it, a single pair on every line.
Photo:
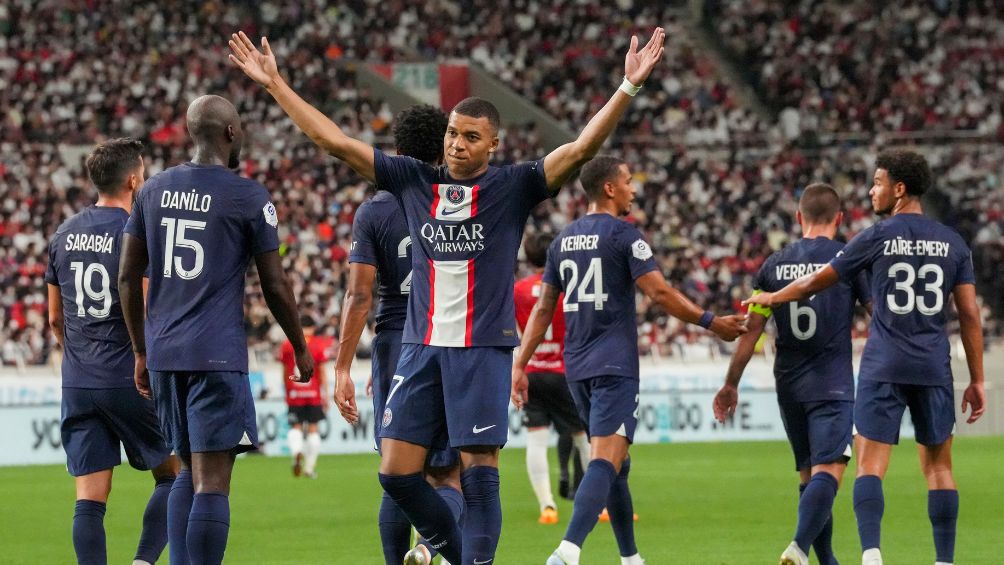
[476,562]
[448,212]
[478,430]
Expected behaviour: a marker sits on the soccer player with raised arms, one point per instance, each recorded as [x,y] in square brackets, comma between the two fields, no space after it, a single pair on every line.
[101,408]
[915,265]
[197,226]
[815,379]
[466,221]
[597,261]
[381,251]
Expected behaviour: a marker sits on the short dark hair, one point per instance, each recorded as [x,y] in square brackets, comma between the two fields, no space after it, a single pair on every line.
[907,167]
[475,107]
[110,162]
[535,248]
[597,172]
[418,132]
[819,203]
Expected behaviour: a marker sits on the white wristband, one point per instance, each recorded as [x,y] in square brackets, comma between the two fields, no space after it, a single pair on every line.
[628,88]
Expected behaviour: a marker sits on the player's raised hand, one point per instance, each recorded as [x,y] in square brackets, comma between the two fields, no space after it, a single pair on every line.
[345,396]
[259,65]
[729,327]
[638,63]
[520,387]
[725,402]
[975,397]
[304,365]
[142,377]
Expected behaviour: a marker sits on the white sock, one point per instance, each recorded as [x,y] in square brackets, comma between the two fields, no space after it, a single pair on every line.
[311,451]
[140,562]
[942,563]
[295,440]
[537,468]
[581,443]
[569,552]
[632,560]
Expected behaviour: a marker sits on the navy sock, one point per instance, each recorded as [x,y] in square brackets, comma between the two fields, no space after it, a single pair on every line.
[564,454]
[823,543]
[868,507]
[208,528]
[89,532]
[179,506]
[395,531]
[483,520]
[943,509]
[154,536]
[590,498]
[814,509]
[455,500]
[621,511]
[429,513]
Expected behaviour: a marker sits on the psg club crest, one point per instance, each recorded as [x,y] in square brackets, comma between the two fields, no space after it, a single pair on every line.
[387,417]
[455,194]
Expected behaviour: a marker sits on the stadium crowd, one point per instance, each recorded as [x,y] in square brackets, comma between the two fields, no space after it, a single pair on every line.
[861,67]
[712,215]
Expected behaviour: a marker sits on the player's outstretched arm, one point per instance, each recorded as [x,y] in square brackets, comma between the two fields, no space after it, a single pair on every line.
[727,398]
[279,298]
[638,64]
[261,66]
[798,289]
[972,341]
[132,265]
[654,285]
[355,310]
[56,313]
[533,334]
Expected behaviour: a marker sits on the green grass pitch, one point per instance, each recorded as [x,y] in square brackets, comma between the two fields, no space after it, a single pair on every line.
[728,503]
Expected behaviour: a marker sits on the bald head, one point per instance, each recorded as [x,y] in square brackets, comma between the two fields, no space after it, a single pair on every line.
[215,128]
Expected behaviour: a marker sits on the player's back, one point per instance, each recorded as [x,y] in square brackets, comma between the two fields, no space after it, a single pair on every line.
[380,237]
[549,356]
[595,261]
[84,263]
[201,224]
[813,336]
[915,263]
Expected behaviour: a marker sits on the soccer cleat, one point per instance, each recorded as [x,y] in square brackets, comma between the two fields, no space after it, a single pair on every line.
[555,559]
[563,490]
[310,474]
[419,555]
[871,557]
[793,555]
[298,465]
[548,515]
[605,516]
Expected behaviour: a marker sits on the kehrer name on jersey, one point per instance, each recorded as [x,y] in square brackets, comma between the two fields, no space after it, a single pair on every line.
[580,243]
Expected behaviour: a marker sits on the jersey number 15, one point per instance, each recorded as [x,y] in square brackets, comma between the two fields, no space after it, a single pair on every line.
[177,237]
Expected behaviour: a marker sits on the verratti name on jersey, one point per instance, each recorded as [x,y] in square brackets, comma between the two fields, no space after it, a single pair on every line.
[915,248]
[90,242]
[796,271]
[191,201]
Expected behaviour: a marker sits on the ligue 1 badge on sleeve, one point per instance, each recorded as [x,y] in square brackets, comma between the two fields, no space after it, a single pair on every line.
[641,250]
[270,216]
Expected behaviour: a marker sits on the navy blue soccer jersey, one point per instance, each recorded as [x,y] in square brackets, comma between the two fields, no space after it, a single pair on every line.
[380,238]
[84,264]
[914,263]
[595,262]
[201,225]
[464,262]
[813,360]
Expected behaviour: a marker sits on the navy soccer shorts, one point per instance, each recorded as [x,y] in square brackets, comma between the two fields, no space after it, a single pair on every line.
[550,402]
[462,392]
[206,411]
[95,421]
[819,432]
[608,405]
[878,411]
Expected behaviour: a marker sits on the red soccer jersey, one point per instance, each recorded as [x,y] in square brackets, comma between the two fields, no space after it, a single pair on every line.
[303,394]
[550,355]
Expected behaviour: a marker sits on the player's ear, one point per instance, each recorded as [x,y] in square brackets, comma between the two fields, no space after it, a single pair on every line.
[798,217]
[899,190]
[230,133]
[494,145]
[839,219]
